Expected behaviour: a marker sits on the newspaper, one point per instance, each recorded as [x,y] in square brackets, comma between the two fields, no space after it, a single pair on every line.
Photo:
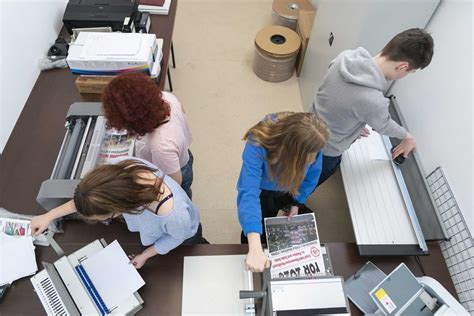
[294,247]
[116,144]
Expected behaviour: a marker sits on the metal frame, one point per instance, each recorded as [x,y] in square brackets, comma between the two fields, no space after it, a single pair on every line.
[406,197]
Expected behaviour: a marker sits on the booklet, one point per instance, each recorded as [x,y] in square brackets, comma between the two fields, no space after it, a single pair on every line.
[294,247]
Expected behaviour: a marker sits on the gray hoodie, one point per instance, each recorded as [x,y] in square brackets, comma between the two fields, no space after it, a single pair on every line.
[351,96]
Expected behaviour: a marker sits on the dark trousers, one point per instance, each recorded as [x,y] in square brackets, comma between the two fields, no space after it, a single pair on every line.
[196,239]
[330,165]
[271,202]
[187,176]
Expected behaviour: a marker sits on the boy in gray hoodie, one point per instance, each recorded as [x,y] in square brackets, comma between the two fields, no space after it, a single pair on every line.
[352,94]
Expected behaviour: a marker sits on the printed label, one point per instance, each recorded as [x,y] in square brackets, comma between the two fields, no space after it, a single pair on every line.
[386,301]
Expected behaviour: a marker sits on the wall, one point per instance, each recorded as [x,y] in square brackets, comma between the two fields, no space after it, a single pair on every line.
[27,29]
[437,102]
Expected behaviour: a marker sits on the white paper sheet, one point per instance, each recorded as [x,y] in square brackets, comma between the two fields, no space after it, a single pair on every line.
[17,257]
[375,145]
[112,275]
[211,285]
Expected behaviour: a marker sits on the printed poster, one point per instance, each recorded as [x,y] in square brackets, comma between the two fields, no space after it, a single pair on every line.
[294,246]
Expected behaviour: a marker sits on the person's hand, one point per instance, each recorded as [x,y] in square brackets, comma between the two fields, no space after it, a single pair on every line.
[292,211]
[257,261]
[364,133]
[138,260]
[39,224]
[405,147]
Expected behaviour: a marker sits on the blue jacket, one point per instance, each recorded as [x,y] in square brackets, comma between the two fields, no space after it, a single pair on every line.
[254,177]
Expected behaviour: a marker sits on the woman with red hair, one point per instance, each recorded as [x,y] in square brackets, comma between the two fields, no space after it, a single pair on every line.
[135,103]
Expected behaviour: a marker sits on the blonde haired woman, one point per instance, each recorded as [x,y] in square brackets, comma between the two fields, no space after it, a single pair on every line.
[281,166]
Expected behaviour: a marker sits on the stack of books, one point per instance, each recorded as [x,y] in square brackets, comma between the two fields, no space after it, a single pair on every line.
[154,6]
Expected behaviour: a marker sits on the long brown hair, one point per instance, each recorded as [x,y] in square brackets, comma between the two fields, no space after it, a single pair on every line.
[289,139]
[116,189]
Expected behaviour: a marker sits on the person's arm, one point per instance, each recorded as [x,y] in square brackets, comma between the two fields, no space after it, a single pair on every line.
[405,147]
[248,205]
[166,159]
[380,120]
[177,176]
[378,117]
[248,189]
[139,260]
[256,260]
[40,223]
[311,179]
[176,230]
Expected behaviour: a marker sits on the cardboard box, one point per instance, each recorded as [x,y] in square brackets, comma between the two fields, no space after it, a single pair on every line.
[110,54]
[95,85]
[303,28]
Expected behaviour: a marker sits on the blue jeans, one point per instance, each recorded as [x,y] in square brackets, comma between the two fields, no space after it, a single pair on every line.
[187,176]
[330,165]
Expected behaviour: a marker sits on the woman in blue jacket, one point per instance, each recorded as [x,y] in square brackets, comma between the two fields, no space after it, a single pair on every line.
[281,166]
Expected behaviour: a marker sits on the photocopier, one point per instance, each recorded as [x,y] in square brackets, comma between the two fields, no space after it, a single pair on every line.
[99,13]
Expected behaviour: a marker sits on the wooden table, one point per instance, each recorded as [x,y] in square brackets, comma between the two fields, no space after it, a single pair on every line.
[28,157]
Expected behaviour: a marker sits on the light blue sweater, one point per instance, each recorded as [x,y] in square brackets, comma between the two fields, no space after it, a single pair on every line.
[165,232]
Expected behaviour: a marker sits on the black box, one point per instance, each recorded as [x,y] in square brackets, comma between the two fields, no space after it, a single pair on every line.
[98,13]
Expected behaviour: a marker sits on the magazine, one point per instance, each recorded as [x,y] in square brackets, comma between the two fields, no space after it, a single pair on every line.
[116,144]
[294,247]
[15,227]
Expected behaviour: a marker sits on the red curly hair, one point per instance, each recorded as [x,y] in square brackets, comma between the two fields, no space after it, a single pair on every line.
[134,102]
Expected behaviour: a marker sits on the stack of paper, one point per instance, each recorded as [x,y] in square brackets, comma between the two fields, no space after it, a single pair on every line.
[375,145]
[161,7]
[17,257]
[112,275]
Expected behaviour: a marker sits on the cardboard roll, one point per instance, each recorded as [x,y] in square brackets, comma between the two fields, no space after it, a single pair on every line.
[273,69]
[278,41]
[282,21]
[290,8]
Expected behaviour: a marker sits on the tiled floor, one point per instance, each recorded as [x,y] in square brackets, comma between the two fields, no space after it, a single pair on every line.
[214,81]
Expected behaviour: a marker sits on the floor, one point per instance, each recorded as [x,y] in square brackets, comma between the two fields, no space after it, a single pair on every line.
[214,81]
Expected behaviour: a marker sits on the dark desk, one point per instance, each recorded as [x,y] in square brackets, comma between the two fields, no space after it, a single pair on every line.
[29,155]
[164,275]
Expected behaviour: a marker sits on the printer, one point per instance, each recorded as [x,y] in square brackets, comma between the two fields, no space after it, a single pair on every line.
[400,293]
[79,153]
[64,288]
[99,13]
